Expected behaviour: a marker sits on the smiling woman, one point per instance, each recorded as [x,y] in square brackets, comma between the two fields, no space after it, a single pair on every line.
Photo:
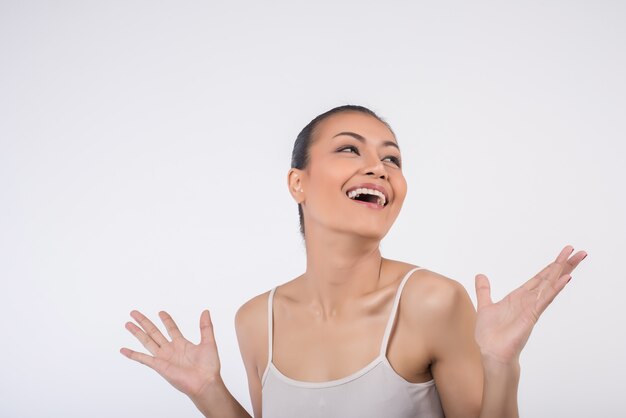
[301,150]
[358,335]
[347,148]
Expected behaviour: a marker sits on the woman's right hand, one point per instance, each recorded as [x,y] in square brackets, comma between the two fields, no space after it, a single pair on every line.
[188,367]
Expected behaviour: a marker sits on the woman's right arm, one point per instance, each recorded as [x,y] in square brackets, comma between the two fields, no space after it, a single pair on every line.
[194,369]
[252,329]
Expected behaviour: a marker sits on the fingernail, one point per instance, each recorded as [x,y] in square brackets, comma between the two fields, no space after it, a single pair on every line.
[570,278]
[584,257]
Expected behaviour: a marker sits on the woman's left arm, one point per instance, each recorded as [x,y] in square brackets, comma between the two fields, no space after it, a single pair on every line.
[503,328]
[476,354]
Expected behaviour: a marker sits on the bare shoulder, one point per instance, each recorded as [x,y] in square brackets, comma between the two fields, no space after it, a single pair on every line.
[436,311]
[249,314]
[252,328]
[431,296]
[251,317]
[251,325]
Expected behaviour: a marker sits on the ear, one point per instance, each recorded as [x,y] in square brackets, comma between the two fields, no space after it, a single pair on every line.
[295,181]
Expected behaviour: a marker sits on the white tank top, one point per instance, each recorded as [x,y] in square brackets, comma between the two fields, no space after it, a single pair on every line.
[375,391]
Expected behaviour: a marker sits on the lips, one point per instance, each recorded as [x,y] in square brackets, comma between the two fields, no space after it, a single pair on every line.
[370,186]
[376,191]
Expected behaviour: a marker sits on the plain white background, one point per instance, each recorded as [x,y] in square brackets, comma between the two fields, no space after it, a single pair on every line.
[144,148]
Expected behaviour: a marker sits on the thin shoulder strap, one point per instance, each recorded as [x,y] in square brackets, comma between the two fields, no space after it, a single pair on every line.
[270,331]
[394,309]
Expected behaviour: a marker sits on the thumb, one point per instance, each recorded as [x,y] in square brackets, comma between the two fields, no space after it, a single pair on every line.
[483,291]
[206,328]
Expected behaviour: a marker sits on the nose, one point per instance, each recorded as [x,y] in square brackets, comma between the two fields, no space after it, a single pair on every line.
[375,167]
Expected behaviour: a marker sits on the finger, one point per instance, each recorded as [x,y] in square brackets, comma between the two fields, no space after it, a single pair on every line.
[143,338]
[574,261]
[539,278]
[561,262]
[564,254]
[138,357]
[149,327]
[548,293]
[551,271]
[206,328]
[483,291]
[170,325]
[549,282]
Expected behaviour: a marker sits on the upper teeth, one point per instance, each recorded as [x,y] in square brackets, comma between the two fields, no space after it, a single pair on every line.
[381,197]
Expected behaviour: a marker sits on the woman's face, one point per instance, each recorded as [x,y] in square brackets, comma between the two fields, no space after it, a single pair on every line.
[353,182]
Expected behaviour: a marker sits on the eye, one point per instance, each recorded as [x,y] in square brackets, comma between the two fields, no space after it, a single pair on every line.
[393,159]
[349,147]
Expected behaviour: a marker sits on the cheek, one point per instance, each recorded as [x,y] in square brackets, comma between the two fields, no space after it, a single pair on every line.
[322,186]
[400,198]
[400,188]
[330,176]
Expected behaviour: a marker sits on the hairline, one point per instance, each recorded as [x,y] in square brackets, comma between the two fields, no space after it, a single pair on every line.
[314,131]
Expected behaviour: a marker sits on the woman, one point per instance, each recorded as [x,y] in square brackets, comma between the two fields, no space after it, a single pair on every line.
[356,334]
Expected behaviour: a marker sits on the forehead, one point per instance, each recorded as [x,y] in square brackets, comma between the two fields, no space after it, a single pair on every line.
[360,123]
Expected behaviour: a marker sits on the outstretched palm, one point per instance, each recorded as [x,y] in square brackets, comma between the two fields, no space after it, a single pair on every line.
[503,328]
[187,366]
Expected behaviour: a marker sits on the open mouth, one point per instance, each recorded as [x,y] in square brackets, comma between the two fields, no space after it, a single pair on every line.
[368,195]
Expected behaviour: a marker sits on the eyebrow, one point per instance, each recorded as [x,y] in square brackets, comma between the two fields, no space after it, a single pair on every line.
[362,139]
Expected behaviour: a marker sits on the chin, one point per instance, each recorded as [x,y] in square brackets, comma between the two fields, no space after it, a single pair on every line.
[372,237]
[370,233]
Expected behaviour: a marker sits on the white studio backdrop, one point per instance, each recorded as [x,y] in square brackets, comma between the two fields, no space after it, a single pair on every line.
[144,148]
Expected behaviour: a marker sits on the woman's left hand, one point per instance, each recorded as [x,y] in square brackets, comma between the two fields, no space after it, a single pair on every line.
[503,328]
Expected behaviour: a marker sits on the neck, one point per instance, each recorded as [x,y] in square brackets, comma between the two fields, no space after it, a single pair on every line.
[340,268]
